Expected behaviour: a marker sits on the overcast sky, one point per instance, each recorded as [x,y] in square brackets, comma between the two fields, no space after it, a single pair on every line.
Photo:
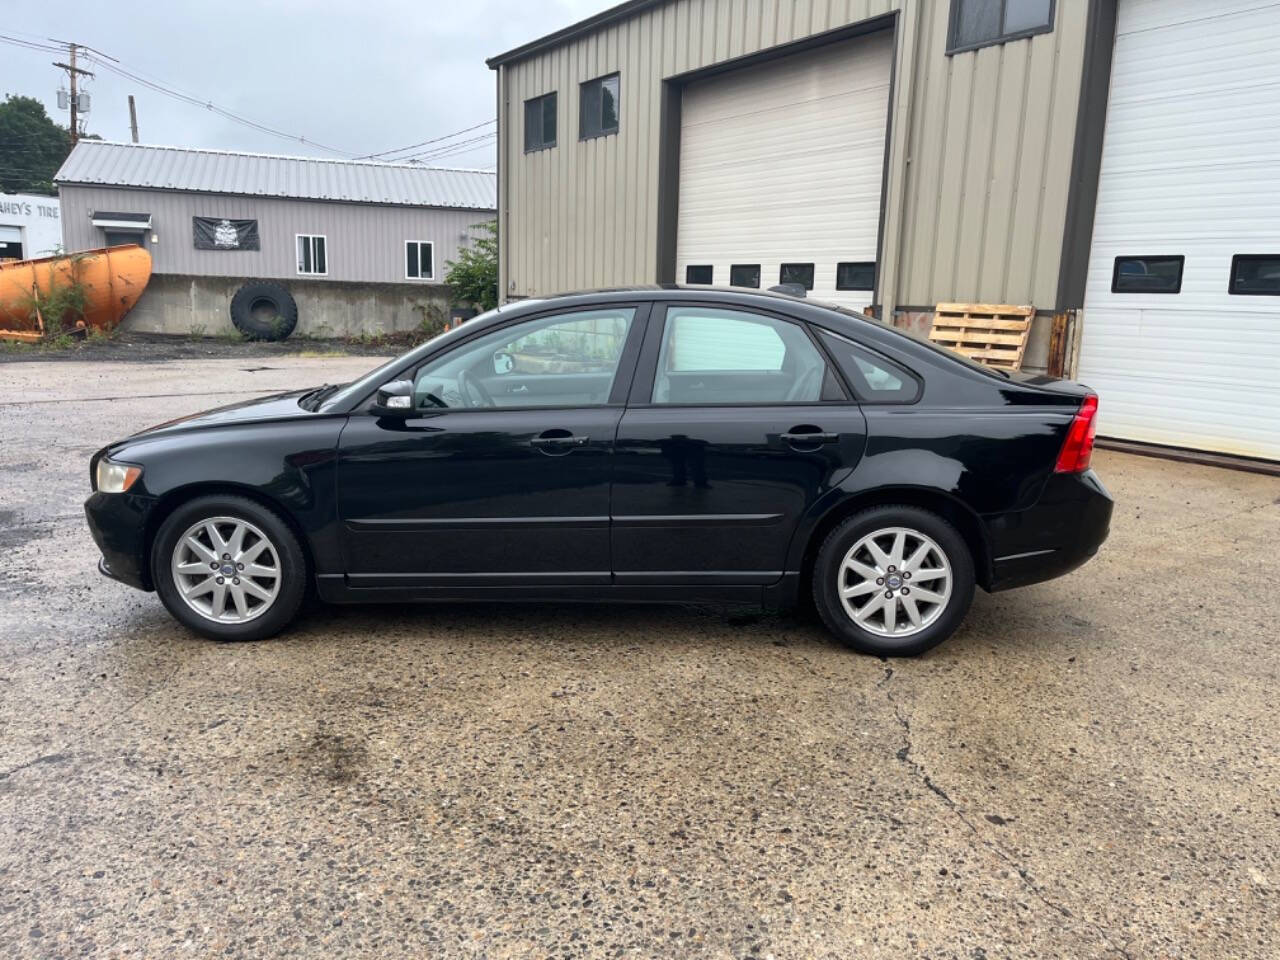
[363,76]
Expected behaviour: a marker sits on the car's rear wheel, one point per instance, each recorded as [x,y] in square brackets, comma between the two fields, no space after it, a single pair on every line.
[229,568]
[893,580]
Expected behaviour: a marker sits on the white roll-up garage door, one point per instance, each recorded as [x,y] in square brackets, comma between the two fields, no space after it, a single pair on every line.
[1190,169]
[782,163]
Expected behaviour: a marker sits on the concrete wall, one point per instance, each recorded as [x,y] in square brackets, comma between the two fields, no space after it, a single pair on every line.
[202,306]
[978,173]
[365,242]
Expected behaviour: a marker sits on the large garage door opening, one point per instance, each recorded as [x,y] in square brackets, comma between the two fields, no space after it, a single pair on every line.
[1182,307]
[781,166]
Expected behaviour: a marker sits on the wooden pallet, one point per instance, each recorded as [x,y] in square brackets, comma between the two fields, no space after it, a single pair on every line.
[994,335]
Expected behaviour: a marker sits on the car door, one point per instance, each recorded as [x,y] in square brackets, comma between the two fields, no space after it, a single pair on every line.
[735,425]
[501,476]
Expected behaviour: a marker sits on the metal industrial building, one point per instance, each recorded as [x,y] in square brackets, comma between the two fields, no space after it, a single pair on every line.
[1110,162]
[361,246]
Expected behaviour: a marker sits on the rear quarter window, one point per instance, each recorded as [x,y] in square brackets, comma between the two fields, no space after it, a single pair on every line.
[874,378]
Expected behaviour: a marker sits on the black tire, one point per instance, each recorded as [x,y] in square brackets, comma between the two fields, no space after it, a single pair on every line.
[262,310]
[828,578]
[292,565]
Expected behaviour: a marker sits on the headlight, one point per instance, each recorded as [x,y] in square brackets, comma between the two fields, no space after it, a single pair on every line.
[116,477]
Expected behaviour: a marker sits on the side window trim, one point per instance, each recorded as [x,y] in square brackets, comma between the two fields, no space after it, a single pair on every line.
[646,371]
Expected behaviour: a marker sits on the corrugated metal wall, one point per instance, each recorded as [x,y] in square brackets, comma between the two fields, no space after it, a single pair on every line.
[365,242]
[981,201]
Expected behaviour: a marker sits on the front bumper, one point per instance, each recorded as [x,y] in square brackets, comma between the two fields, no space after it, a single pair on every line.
[1060,533]
[118,523]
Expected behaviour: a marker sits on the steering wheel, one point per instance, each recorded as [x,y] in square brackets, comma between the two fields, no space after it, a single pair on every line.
[471,388]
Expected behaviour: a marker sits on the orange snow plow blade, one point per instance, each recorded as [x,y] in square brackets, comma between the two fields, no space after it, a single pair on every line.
[100,285]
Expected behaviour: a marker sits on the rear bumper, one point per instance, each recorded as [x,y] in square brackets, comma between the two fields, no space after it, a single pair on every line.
[118,524]
[1060,533]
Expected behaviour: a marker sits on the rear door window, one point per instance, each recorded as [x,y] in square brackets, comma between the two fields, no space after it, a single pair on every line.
[710,355]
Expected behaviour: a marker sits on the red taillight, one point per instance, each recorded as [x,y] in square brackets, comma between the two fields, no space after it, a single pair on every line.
[1077,449]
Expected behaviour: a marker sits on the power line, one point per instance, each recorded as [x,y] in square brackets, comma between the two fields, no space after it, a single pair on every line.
[414,146]
[107,62]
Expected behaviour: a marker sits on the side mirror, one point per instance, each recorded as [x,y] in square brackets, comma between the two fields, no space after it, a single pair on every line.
[503,362]
[394,399]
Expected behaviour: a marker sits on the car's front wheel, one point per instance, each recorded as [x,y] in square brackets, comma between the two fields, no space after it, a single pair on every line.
[893,580]
[229,568]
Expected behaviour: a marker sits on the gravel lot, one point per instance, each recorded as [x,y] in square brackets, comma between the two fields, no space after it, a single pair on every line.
[1088,769]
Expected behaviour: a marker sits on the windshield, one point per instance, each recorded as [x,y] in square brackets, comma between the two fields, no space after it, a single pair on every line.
[378,376]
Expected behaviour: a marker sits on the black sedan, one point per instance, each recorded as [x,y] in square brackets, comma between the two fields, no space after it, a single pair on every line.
[646,444]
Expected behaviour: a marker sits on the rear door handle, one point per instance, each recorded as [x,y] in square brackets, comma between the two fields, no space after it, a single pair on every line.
[558,441]
[792,436]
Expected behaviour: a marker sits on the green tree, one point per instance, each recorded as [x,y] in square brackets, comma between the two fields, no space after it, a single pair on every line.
[32,146]
[473,277]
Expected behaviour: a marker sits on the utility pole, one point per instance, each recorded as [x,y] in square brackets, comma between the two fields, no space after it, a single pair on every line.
[75,73]
[133,119]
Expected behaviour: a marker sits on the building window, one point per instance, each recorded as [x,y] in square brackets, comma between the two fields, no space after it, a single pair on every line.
[744,275]
[1147,275]
[856,276]
[540,123]
[10,249]
[798,273]
[598,116]
[1255,274]
[980,23]
[120,238]
[701,273]
[312,255]
[418,262]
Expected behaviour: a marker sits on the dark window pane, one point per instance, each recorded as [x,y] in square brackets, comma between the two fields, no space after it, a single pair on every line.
[12,250]
[744,275]
[549,120]
[599,107]
[976,21]
[532,124]
[609,89]
[875,379]
[411,265]
[856,276]
[118,238]
[318,255]
[1147,275]
[540,122]
[1255,274]
[304,254]
[1022,15]
[590,110]
[424,260]
[801,273]
[698,274]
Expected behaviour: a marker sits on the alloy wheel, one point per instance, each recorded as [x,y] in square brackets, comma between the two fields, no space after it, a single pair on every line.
[226,570]
[894,582]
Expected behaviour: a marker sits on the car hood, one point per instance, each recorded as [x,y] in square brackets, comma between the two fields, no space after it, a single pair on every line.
[278,406]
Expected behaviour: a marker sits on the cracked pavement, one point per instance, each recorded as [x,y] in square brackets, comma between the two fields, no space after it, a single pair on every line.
[1088,769]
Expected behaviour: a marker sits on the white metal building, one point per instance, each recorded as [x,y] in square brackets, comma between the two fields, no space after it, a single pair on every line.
[1182,336]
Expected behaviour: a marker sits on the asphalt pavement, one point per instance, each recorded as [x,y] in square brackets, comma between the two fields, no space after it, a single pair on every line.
[1089,768]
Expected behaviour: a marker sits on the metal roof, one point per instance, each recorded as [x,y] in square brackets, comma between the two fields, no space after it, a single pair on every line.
[615,13]
[104,163]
